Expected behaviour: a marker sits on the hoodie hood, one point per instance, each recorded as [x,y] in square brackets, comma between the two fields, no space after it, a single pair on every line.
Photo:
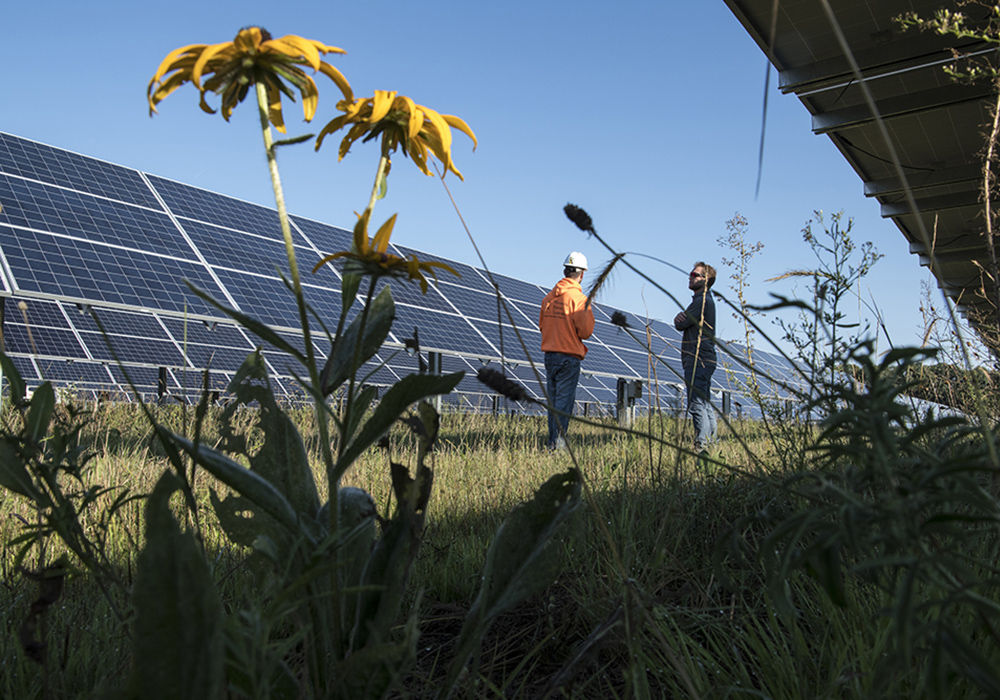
[566,285]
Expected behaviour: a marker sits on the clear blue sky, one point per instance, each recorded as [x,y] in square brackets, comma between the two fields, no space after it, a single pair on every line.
[646,114]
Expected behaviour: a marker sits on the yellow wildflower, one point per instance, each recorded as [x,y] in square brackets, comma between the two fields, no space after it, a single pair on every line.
[370,257]
[235,66]
[400,122]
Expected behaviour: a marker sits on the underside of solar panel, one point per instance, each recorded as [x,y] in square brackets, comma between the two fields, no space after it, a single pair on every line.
[98,261]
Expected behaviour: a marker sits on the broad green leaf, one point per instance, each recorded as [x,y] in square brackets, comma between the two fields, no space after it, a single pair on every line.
[388,567]
[43,402]
[361,403]
[282,459]
[242,520]
[401,396]
[377,324]
[14,474]
[349,285]
[13,377]
[520,562]
[177,645]
[245,482]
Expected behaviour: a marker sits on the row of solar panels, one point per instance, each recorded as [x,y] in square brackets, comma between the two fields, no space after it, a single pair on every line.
[79,235]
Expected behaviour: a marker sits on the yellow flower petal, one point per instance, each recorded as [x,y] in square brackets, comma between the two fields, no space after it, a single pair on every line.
[459,124]
[381,241]
[381,104]
[338,79]
[206,55]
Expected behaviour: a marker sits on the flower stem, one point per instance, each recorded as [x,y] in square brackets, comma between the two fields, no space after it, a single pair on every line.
[383,164]
[322,423]
[355,362]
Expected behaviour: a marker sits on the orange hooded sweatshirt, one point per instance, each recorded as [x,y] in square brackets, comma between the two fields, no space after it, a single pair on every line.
[565,319]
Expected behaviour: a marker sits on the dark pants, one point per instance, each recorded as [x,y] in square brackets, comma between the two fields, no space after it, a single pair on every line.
[563,373]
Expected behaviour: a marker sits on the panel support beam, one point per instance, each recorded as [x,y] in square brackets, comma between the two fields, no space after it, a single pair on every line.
[931,204]
[894,107]
[914,53]
[965,175]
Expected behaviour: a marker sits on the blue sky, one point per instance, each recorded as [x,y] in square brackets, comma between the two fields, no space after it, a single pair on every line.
[646,114]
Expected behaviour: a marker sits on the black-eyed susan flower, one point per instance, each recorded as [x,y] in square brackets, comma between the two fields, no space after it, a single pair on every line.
[253,57]
[401,123]
[370,256]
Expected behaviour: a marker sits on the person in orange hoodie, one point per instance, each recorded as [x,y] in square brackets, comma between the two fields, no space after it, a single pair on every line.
[565,320]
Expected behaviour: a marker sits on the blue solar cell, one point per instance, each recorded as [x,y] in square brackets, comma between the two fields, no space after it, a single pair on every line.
[601,359]
[68,268]
[472,303]
[57,167]
[406,292]
[529,313]
[202,205]
[267,299]
[510,344]
[215,334]
[217,358]
[36,313]
[146,379]
[26,367]
[162,353]
[519,290]
[47,208]
[237,250]
[119,323]
[90,373]
[49,342]
[325,238]
[438,331]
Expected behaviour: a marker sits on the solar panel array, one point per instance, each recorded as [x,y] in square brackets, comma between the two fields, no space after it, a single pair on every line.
[81,237]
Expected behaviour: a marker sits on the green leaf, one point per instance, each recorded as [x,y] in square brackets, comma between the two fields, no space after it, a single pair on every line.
[240,519]
[340,364]
[13,376]
[520,562]
[292,141]
[401,396]
[282,458]
[14,474]
[361,403]
[349,285]
[388,567]
[177,646]
[257,489]
[43,403]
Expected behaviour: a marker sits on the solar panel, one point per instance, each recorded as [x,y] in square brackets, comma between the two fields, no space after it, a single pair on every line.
[80,237]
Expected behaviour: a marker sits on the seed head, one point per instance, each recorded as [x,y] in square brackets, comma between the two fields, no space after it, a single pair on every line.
[579,217]
[502,385]
[619,319]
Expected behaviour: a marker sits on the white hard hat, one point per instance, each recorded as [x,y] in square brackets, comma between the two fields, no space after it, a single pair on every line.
[575,259]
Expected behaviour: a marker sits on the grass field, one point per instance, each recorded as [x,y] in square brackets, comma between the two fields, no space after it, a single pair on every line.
[660,593]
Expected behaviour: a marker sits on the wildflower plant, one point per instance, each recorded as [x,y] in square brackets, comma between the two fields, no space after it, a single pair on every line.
[331,624]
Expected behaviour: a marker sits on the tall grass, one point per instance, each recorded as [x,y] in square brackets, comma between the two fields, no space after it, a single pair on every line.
[688,615]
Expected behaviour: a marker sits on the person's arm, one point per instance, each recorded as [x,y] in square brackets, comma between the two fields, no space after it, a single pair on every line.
[687,318]
[583,320]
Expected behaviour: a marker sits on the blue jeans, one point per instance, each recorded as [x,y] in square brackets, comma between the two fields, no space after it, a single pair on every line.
[699,384]
[562,373]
